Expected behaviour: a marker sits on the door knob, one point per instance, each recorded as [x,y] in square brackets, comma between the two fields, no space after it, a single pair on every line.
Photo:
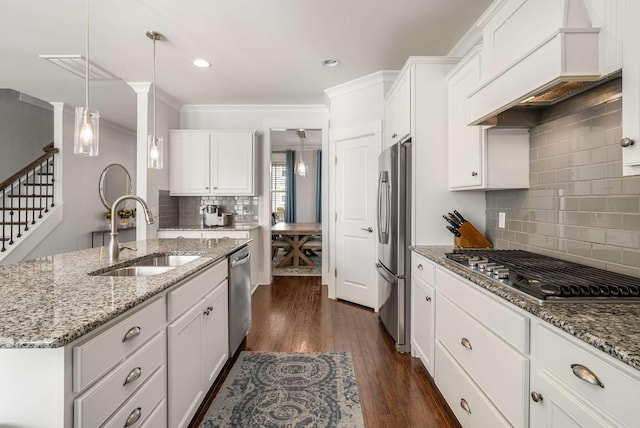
[368,229]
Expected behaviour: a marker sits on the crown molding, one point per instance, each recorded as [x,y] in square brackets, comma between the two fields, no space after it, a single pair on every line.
[384,76]
[253,108]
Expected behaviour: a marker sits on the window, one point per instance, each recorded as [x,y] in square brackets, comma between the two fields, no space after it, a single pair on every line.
[278,187]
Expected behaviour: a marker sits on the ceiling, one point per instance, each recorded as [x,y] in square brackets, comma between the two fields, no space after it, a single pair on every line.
[262,52]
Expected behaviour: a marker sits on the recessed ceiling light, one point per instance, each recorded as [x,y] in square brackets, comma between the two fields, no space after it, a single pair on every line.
[202,63]
[331,62]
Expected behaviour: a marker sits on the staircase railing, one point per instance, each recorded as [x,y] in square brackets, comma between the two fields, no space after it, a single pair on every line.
[26,197]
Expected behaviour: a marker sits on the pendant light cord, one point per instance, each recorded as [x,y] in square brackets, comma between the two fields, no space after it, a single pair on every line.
[86,42]
[154,92]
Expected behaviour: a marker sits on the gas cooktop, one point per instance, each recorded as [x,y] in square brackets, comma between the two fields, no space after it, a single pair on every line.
[548,279]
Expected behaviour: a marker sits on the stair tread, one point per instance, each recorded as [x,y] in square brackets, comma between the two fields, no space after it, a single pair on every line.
[13,223]
[21,209]
[38,184]
[30,196]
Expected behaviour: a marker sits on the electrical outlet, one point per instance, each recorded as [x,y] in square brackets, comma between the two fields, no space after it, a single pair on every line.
[502,220]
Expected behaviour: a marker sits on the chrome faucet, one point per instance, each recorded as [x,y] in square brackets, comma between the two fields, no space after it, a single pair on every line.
[114,247]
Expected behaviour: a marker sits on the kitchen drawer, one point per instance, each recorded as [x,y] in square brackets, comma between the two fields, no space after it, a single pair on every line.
[501,372]
[497,316]
[94,406]
[558,352]
[158,417]
[456,386]
[188,294]
[96,357]
[143,402]
[423,268]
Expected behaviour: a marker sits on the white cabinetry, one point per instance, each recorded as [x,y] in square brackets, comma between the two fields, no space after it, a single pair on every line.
[397,110]
[197,341]
[631,89]
[254,245]
[481,158]
[575,385]
[484,371]
[422,310]
[204,162]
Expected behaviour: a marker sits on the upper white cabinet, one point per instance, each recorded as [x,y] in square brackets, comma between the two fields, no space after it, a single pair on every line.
[631,90]
[481,158]
[397,110]
[204,162]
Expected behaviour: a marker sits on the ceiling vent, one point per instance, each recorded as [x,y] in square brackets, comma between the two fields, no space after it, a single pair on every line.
[76,64]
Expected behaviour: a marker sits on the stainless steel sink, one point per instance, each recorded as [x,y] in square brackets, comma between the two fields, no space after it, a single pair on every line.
[138,271]
[165,260]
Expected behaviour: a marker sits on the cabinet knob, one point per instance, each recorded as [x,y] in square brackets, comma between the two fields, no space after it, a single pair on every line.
[465,406]
[585,374]
[420,267]
[133,417]
[133,376]
[133,332]
[626,142]
[474,173]
[465,342]
[536,396]
[394,135]
[207,187]
[428,299]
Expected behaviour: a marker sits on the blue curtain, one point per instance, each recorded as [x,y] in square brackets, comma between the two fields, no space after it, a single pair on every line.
[290,195]
[319,187]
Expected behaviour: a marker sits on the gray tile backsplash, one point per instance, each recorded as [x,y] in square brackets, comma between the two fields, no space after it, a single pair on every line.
[186,211]
[579,207]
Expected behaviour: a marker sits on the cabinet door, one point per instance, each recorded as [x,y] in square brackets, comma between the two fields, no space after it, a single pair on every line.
[631,88]
[422,323]
[185,343]
[232,163]
[557,408]
[215,340]
[189,163]
[465,142]
[403,106]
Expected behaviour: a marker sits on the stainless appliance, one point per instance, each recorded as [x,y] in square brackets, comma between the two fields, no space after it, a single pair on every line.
[239,297]
[393,219]
[210,215]
[547,279]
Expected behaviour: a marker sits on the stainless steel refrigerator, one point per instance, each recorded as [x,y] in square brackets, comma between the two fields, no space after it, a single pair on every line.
[393,218]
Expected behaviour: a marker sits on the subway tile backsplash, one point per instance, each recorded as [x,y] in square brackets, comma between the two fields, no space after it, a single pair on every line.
[579,207]
[189,209]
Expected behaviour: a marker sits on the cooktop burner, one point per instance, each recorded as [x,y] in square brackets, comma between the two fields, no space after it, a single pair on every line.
[549,279]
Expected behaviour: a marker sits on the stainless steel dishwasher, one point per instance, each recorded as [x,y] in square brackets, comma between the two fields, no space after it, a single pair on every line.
[239,297]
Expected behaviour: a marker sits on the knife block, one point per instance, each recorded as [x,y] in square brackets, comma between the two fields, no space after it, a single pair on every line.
[470,237]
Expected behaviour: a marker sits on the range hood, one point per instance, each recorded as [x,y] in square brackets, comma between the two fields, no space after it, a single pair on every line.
[535,53]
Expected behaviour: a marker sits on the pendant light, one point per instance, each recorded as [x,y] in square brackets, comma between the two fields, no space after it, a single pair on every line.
[86,132]
[300,168]
[154,143]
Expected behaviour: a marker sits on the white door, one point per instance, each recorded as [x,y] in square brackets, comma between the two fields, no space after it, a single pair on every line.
[356,172]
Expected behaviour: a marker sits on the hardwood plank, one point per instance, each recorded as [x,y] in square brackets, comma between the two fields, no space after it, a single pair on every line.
[294,314]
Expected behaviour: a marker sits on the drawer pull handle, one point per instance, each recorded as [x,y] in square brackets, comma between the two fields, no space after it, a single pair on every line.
[420,267]
[465,406]
[428,299]
[465,342]
[586,375]
[474,174]
[536,396]
[133,376]
[133,417]
[133,332]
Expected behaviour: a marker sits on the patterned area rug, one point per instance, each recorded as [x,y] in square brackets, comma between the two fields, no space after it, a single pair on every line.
[288,390]
[299,271]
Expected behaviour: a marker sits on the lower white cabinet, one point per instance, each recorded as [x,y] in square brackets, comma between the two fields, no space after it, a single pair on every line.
[422,311]
[197,343]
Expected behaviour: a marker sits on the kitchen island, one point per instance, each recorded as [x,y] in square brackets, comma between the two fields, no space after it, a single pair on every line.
[66,342]
[503,359]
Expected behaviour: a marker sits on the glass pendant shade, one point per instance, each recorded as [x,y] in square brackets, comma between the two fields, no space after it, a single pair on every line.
[86,134]
[154,152]
[300,168]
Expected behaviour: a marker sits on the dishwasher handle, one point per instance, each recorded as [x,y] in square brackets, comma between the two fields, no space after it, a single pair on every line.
[241,261]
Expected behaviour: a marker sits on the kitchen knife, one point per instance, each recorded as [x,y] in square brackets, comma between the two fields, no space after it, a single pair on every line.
[456,220]
[462,219]
[455,225]
[455,232]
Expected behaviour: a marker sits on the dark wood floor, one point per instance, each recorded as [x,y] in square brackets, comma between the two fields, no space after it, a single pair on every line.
[295,315]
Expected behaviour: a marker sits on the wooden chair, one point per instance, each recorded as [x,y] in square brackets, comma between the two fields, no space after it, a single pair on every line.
[276,244]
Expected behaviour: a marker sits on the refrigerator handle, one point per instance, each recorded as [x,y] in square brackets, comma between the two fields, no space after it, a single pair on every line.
[383,207]
[383,272]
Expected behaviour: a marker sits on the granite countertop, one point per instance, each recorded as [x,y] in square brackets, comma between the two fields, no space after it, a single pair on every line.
[50,301]
[239,227]
[610,327]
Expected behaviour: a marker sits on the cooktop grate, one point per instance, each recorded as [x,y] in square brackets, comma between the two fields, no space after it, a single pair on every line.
[548,278]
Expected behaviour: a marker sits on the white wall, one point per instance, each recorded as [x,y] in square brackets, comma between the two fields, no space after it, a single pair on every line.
[25,128]
[83,210]
[306,190]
